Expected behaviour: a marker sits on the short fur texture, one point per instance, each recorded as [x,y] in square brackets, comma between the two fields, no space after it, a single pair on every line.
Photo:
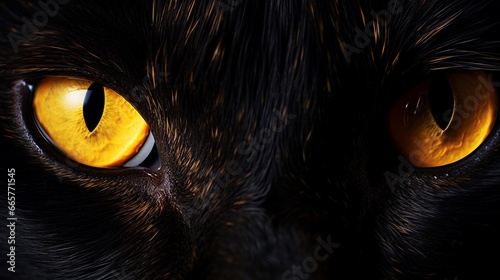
[269,120]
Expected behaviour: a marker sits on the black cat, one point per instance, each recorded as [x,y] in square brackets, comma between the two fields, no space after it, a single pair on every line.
[261,139]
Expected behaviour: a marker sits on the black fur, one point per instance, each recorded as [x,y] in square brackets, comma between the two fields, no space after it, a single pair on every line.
[271,133]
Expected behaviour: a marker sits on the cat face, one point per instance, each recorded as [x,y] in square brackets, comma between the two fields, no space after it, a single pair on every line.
[249,139]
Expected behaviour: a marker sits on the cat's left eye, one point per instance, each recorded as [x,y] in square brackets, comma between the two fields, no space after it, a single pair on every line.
[91,124]
[444,119]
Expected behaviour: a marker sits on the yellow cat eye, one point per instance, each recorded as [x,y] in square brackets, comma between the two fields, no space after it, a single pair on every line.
[444,119]
[89,123]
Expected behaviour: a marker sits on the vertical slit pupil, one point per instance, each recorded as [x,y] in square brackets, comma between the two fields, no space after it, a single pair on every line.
[441,101]
[93,106]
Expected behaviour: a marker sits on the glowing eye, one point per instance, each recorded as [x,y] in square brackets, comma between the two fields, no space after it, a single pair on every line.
[89,123]
[444,119]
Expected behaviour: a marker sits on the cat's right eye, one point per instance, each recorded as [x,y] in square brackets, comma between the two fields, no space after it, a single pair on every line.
[91,124]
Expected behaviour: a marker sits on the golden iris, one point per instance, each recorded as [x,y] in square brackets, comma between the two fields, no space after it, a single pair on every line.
[116,135]
[436,133]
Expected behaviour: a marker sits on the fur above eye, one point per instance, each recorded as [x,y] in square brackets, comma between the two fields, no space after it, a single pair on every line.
[444,119]
[91,124]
